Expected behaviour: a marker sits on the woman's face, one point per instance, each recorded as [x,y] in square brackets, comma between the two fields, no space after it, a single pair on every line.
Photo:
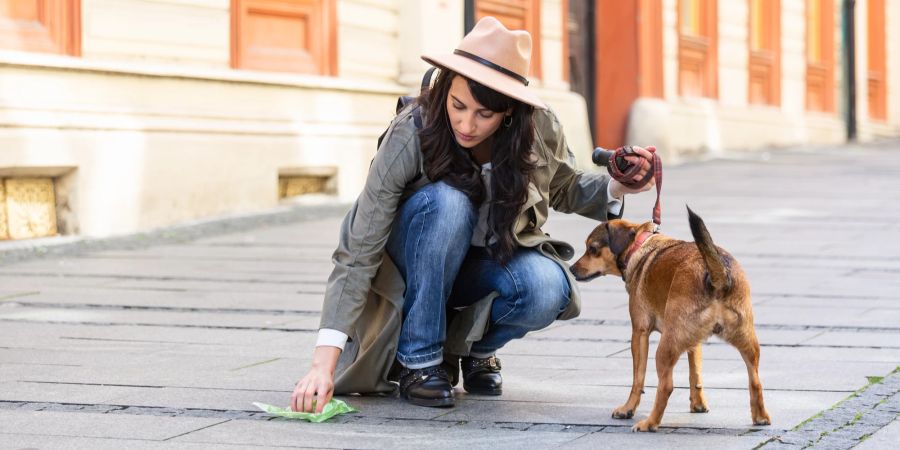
[471,122]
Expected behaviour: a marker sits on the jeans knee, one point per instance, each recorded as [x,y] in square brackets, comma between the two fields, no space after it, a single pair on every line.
[544,297]
[450,199]
[456,212]
[546,310]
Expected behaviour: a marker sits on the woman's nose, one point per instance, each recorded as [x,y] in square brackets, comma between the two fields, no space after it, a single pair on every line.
[468,122]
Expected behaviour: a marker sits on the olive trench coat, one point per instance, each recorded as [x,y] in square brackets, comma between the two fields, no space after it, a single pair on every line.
[364,295]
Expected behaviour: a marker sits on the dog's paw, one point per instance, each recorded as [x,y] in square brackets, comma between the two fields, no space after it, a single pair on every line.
[762,420]
[623,413]
[644,426]
[698,401]
[699,408]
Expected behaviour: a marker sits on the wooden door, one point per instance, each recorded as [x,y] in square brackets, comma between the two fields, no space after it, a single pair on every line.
[50,26]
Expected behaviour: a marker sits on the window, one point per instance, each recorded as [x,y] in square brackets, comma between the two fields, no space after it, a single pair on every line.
[820,55]
[288,36]
[517,15]
[51,26]
[697,48]
[877,74]
[765,52]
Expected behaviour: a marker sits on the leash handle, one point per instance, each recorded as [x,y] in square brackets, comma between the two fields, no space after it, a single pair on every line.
[623,171]
[603,157]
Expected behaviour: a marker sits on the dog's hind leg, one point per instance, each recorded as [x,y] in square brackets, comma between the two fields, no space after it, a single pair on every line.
[666,356]
[748,345]
[695,363]
[640,343]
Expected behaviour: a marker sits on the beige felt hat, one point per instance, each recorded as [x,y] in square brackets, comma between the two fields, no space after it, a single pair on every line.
[495,57]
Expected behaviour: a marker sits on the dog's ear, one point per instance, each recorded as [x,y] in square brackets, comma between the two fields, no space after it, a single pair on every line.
[646,226]
[620,238]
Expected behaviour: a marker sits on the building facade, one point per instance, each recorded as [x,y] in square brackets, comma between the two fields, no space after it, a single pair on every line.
[125,115]
[705,75]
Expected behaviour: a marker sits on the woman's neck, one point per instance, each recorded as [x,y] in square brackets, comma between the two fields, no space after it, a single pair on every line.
[482,152]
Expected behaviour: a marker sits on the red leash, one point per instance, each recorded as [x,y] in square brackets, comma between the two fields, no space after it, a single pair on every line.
[623,172]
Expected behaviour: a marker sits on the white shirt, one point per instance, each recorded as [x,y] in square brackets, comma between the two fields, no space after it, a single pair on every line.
[333,338]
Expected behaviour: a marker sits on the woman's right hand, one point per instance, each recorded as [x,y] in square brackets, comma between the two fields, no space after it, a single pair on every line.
[314,390]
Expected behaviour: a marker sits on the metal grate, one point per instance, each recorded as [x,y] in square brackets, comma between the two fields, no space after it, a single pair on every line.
[29,208]
[292,186]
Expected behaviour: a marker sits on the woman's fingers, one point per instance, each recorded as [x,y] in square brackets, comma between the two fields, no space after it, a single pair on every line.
[308,398]
[324,397]
[645,167]
[645,153]
[301,399]
[313,397]
[297,395]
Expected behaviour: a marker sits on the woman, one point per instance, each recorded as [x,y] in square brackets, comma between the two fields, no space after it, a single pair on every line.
[449,224]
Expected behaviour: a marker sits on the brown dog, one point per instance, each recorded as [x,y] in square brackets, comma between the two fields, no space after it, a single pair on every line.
[687,292]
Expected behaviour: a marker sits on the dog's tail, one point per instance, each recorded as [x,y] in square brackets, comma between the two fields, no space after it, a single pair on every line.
[718,279]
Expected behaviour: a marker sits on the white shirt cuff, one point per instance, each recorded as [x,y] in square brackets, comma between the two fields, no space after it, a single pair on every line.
[613,205]
[331,338]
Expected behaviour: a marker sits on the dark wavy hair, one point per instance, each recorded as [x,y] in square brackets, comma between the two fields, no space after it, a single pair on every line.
[511,165]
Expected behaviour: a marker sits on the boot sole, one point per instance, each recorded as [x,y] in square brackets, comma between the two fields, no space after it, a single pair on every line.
[483,391]
[430,402]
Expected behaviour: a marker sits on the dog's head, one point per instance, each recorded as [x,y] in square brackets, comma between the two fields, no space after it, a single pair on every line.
[607,249]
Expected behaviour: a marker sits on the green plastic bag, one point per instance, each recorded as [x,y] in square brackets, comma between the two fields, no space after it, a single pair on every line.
[333,408]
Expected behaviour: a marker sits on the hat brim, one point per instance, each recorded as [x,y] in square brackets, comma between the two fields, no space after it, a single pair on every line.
[486,76]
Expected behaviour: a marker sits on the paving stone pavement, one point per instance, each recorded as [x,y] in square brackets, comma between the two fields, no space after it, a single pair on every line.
[164,339]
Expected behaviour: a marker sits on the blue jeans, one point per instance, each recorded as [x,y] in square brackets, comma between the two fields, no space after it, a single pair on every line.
[430,245]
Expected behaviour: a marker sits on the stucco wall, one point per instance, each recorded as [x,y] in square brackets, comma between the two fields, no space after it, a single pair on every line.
[368,40]
[156,147]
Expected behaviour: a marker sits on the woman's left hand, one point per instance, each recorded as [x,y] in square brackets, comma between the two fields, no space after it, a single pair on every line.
[643,157]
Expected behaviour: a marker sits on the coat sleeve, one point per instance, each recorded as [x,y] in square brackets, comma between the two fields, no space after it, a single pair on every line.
[571,190]
[365,229]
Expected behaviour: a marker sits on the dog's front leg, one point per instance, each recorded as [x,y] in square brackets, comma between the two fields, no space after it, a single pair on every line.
[640,343]
[666,356]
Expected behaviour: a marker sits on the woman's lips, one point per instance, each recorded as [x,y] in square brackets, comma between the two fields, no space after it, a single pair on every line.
[464,137]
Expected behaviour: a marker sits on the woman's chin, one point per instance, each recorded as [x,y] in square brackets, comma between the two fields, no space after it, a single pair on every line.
[466,144]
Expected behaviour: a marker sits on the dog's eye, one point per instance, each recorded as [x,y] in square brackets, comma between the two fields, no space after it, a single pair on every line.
[594,249]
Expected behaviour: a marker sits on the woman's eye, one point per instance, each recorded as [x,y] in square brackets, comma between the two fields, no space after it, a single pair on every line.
[459,107]
[487,115]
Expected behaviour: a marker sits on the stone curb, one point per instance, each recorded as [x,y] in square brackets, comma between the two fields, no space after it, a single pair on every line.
[849,422]
[18,251]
